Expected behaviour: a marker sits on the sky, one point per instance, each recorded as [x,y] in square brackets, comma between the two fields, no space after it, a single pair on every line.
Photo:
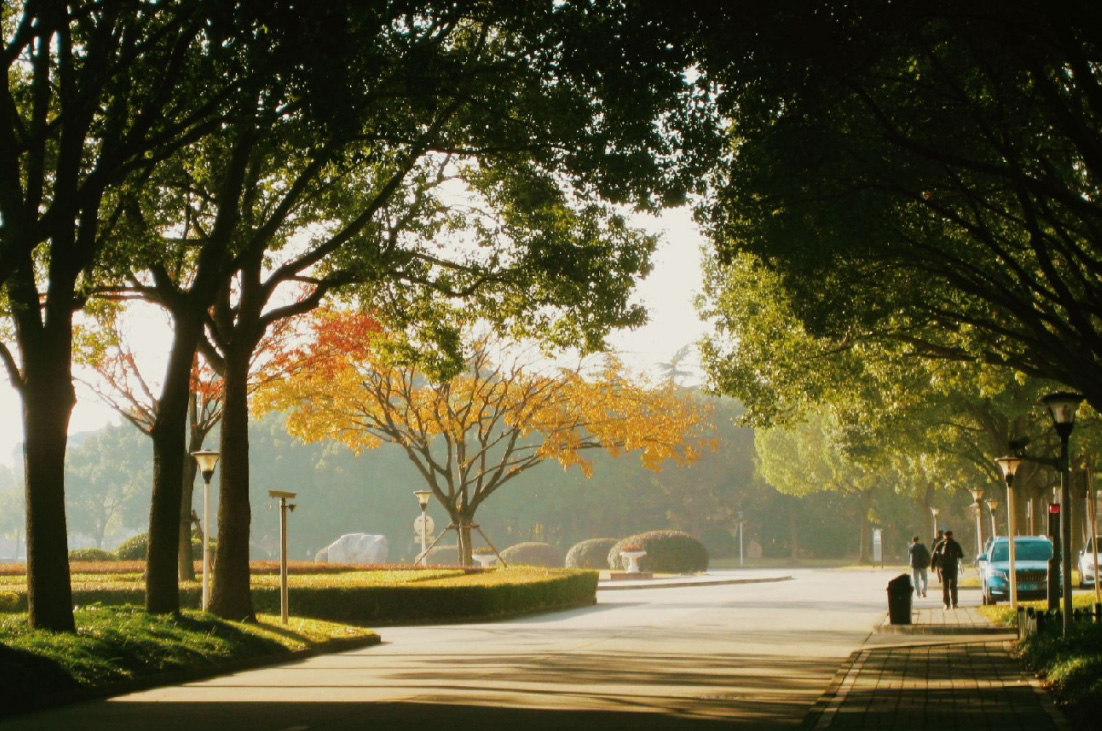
[667,293]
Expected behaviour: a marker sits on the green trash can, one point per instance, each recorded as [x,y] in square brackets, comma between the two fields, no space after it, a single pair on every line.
[900,593]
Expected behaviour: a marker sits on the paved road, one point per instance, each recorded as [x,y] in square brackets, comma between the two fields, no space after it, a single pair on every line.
[752,655]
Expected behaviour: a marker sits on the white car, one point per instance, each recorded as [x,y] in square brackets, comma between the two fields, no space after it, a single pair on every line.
[1087,558]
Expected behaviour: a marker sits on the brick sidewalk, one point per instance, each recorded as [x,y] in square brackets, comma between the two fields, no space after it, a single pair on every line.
[969,684]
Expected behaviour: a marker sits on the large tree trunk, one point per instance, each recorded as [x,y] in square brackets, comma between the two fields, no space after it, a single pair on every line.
[48,400]
[793,531]
[464,533]
[865,527]
[230,592]
[169,432]
[45,344]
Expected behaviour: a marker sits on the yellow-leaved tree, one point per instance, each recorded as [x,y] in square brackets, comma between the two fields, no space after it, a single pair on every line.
[470,434]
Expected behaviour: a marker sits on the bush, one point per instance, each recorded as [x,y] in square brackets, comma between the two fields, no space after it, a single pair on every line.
[590,554]
[90,554]
[133,548]
[668,551]
[533,554]
[136,547]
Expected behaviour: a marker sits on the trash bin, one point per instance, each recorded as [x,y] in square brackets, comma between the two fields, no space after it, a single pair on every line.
[900,592]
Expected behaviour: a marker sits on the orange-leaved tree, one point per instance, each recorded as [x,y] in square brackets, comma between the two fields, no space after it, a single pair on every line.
[470,434]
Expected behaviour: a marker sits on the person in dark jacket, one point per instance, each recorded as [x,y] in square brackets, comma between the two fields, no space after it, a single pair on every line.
[938,540]
[948,556]
[920,562]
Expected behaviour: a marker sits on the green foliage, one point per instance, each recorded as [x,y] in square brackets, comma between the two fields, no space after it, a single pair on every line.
[11,601]
[91,554]
[115,644]
[463,596]
[1073,666]
[134,548]
[668,551]
[589,554]
[533,553]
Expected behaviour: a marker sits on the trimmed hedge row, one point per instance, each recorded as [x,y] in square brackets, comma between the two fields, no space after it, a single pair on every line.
[437,598]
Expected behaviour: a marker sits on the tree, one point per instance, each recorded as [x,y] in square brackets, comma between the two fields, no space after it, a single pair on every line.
[535,115]
[926,174]
[97,95]
[471,434]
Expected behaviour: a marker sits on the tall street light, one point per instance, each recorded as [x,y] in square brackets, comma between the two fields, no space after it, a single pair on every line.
[206,459]
[1062,407]
[423,500]
[977,506]
[992,507]
[934,511]
[1009,467]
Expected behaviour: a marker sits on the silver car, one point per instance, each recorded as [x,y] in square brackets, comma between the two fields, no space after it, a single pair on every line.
[1087,559]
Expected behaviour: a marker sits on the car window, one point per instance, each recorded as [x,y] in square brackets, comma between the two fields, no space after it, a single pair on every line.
[1023,551]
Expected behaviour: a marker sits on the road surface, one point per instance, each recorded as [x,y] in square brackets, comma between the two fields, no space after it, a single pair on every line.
[752,655]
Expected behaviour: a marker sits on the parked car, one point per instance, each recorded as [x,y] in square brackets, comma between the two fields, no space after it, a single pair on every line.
[1087,558]
[1031,557]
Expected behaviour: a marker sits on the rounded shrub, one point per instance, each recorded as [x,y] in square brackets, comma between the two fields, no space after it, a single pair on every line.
[533,554]
[133,548]
[668,552]
[90,554]
[590,554]
[136,547]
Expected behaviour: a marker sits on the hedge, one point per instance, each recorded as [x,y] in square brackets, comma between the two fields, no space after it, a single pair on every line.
[668,551]
[590,554]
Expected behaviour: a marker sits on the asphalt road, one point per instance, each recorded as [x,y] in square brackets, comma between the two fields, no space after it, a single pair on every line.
[748,655]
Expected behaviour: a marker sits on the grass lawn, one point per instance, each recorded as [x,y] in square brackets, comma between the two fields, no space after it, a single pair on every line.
[115,647]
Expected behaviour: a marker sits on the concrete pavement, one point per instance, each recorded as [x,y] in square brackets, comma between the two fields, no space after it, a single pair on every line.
[948,669]
[671,660]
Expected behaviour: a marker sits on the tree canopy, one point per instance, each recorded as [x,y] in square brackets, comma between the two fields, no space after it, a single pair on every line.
[470,434]
[922,173]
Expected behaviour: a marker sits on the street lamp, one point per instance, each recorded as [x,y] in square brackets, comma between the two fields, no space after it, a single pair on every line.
[206,459]
[992,506]
[423,500]
[740,538]
[283,497]
[934,511]
[1009,468]
[1062,407]
[977,506]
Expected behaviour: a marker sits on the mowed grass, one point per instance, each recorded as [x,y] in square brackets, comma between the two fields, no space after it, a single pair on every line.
[119,645]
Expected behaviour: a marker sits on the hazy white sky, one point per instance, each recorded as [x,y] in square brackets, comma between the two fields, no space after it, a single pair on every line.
[667,293]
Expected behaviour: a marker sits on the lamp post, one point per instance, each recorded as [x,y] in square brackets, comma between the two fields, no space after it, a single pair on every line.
[992,506]
[934,511]
[283,497]
[1009,467]
[740,538]
[206,459]
[1062,407]
[977,506]
[423,500]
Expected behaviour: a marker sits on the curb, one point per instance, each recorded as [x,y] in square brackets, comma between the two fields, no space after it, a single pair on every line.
[677,583]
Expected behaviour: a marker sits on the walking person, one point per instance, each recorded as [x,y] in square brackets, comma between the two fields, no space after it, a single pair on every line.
[948,556]
[938,540]
[920,561]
